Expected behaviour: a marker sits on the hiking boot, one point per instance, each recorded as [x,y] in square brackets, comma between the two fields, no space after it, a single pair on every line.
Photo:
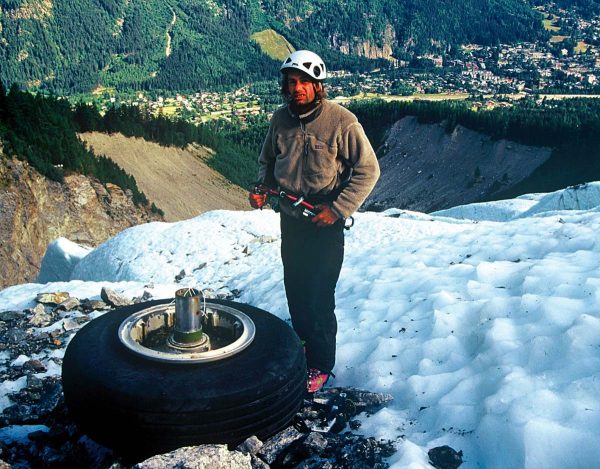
[316,380]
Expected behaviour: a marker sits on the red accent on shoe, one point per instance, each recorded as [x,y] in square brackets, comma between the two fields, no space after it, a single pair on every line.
[316,380]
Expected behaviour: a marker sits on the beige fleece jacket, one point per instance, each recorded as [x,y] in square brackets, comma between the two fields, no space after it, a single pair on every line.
[316,153]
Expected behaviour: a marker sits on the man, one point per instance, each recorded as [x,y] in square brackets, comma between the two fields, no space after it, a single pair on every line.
[318,150]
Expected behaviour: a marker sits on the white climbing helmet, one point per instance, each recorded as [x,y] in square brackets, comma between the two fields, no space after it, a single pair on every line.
[307,62]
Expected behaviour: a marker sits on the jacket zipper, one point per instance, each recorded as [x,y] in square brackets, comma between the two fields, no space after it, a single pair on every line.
[305,141]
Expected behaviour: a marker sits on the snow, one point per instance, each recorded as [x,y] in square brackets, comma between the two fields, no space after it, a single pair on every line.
[19,433]
[483,321]
[60,258]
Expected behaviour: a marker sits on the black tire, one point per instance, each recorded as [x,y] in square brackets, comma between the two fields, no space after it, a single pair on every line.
[140,407]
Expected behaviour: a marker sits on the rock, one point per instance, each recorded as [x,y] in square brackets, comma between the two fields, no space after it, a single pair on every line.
[180,276]
[315,462]
[147,295]
[38,309]
[93,305]
[4,465]
[352,401]
[113,298]
[354,424]
[35,366]
[36,402]
[444,457]
[225,293]
[41,402]
[34,383]
[460,153]
[275,445]
[15,336]
[51,457]
[69,324]
[315,443]
[250,445]
[80,209]
[18,414]
[256,463]
[69,304]
[9,316]
[55,298]
[198,457]
[99,456]
[41,319]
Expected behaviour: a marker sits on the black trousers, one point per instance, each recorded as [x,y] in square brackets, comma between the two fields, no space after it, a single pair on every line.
[312,259]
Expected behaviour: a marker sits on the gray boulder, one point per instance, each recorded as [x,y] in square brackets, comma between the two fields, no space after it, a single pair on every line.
[198,457]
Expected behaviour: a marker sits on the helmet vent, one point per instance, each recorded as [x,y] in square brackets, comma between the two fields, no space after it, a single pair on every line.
[307,62]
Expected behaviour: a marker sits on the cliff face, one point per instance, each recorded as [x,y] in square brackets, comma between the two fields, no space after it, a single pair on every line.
[366,48]
[34,211]
[426,168]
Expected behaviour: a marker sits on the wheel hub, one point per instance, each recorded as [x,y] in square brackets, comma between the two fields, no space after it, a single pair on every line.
[186,333]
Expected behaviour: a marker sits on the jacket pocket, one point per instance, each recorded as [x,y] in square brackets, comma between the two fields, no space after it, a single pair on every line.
[321,162]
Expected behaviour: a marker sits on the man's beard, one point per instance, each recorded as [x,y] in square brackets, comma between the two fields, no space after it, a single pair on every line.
[303,108]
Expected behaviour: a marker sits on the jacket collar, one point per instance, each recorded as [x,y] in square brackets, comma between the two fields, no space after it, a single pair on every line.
[308,116]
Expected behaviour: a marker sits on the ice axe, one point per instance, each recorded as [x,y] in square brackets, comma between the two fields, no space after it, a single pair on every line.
[298,201]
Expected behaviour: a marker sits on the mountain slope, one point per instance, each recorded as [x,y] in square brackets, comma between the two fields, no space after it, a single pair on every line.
[177,181]
[35,211]
[426,168]
[71,46]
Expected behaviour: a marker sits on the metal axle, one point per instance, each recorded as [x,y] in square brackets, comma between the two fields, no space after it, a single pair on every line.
[187,328]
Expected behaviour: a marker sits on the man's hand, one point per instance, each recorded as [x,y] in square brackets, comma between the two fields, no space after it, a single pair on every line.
[326,217]
[257,200]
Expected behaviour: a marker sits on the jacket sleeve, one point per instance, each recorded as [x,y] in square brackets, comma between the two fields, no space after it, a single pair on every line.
[359,155]
[266,160]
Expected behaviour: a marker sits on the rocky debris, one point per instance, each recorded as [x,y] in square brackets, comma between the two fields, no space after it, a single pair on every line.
[198,457]
[146,296]
[320,435]
[113,298]
[333,408]
[8,316]
[93,305]
[54,298]
[297,446]
[180,276]
[67,305]
[223,293]
[280,442]
[70,325]
[34,403]
[35,366]
[425,168]
[250,446]
[39,316]
[444,457]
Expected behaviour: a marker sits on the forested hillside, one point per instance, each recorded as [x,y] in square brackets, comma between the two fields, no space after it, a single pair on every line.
[42,131]
[70,46]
